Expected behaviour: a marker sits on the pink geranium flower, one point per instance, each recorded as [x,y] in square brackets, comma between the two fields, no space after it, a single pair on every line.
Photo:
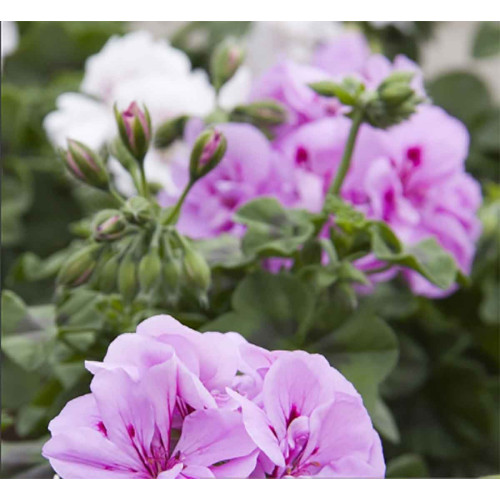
[126,427]
[169,402]
[311,423]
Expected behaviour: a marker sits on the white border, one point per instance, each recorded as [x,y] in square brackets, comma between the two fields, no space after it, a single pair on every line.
[263,10]
[250,489]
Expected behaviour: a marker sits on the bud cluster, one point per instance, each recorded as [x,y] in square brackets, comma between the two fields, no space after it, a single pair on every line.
[393,102]
[138,258]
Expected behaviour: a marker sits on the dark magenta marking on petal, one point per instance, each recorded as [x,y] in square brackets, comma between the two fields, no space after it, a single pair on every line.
[301,155]
[102,428]
[414,154]
[131,431]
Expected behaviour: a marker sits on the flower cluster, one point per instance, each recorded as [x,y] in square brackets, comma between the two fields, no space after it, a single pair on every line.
[169,402]
[411,176]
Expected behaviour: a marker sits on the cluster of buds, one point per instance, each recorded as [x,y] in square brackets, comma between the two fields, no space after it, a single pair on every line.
[138,260]
[393,102]
[225,61]
[135,250]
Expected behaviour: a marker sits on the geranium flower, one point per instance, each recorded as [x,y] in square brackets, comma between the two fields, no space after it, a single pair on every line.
[312,422]
[128,428]
[165,403]
[411,176]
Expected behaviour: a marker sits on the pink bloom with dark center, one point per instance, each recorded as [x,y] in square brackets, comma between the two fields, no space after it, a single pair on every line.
[169,402]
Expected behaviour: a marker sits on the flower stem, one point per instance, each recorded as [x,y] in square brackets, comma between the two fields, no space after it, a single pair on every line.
[174,214]
[357,119]
[144,182]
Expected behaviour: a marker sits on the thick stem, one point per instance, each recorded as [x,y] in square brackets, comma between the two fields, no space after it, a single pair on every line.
[174,214]
[346,156]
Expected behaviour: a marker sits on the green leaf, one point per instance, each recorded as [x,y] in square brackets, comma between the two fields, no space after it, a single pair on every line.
[365,350]
[14,310]
[384,422]
[268,309]
[272,229]
[27,333]
[408,466]
[222,252]
[462,94]
[427,257]
[24,459]
[487,41]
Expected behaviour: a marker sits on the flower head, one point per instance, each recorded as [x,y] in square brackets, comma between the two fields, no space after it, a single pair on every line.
[169,402]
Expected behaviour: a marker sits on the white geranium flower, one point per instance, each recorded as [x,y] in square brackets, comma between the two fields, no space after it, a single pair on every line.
[10,38]
[135,67]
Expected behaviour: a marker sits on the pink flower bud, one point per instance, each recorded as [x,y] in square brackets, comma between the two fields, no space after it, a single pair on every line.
[85,165]
[207,152]
[134,125]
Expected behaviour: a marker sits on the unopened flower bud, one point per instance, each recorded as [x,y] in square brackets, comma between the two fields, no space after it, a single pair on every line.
[172,271]
[208,151]
[149,269]
[169,131]
[225,61]
[394,101]
[348,91]
[134,125]
[109,225]
[127,278]
[79,267]
[85,165]
[196,269]
[263,113]
[137,209]
[108,274]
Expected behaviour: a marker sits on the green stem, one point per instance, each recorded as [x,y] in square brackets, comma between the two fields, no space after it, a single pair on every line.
[144,182]
[174,214]
[357,119]
[380,269]
[116,195]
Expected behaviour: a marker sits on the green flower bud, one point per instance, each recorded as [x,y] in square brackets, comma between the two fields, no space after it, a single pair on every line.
[172,271]
[393,102]
[208,151]
[169,131]
[79,267]
[261,113]
[138,209]
[134,125]
[149,269]
[85,165]
[225,61]
[108,274]
[196,269]
[347,92]
[127,278]
[109,225]
[396,94]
